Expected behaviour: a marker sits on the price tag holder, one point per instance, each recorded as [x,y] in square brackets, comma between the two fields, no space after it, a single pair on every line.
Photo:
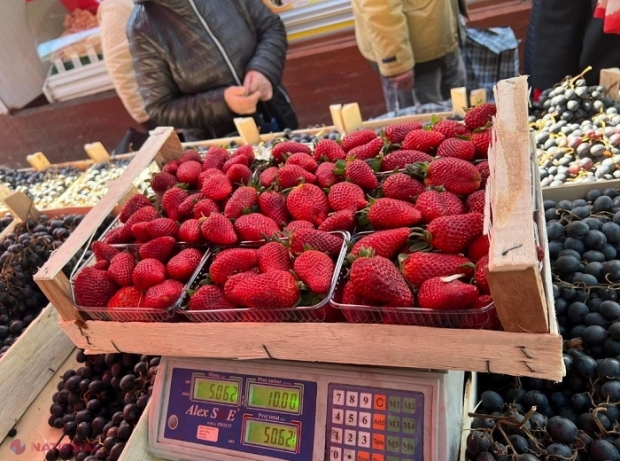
[219,410]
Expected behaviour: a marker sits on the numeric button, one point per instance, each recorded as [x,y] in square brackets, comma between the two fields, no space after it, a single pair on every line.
[348,455]
[363,439]
[366,401]
[335,454]
[351,418]
[350,437]
[337,416]
[365,420]
[336,435]
[352,399]
[338,398]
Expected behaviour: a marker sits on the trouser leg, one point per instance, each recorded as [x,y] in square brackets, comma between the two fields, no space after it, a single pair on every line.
[454,74]
[427,81]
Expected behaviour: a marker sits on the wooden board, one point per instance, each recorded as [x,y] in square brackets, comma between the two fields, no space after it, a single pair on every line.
[29,364]
[577,190]
[32,427]
[399,346]
[514,270]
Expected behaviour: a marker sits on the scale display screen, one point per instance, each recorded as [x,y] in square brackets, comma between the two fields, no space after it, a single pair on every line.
[216,391]
[271,435]
[275,398]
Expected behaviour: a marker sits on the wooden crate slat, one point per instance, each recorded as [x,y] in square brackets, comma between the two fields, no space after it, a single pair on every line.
[162,145]
[399,346]
[29,364]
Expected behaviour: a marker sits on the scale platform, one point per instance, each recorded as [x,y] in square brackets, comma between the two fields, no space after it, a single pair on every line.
[218,410]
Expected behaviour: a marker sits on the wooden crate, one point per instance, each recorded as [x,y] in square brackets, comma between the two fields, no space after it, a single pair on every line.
[528,354]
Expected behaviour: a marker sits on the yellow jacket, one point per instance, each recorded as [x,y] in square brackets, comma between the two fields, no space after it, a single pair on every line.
[398,33]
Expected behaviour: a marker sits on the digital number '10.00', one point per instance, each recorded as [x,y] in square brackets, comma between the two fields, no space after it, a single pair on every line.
[283,400]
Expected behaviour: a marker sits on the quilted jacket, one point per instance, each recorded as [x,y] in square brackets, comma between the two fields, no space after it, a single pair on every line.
[187,52]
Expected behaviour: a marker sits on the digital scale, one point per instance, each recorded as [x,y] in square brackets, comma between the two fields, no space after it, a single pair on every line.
[222,410]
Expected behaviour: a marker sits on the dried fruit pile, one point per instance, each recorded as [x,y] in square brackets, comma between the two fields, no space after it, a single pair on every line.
[98,405]
[577,131]
[412,184]
[578,418]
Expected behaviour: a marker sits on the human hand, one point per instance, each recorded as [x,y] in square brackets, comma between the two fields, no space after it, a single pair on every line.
[240,101]
[255,81]
[402,81]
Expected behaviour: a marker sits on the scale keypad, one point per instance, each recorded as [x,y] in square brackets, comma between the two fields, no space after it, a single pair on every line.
[368,424]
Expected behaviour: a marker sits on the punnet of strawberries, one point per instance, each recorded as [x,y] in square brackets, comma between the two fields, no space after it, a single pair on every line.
[416,191]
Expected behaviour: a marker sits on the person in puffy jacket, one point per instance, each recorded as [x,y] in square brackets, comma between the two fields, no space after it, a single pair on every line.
[414,44]
[201,63]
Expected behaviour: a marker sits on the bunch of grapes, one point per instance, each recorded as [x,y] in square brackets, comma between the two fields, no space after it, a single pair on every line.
[98,405]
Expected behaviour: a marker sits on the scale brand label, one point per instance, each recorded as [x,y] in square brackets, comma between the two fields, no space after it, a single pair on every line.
[262,415]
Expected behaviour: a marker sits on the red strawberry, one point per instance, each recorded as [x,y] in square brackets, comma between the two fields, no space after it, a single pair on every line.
[103,251]
[208,173]
[349,297]
[420,266]
[218,230]
[215,158]
[171,168]
[144,214]
[325,176]
[236,160]
[358,172]
[451,128]
[309,203]
[141,231]
[399,159]
[367,151]
[476,202]
[401,186]
[385,243]
[343,220]
[478,248]
[423,140]
[171,201]
[479,116]
[148,273]
[356,139]
[189,231]
[121,268]
[182,266]
[217,188]
[481,277]
[445,293]
[433,204]
[94,288]
[159,248]
[291,175]
[162,227]
[282,149]
[454,174]
[239,174]
[482,141]
[211,297]
[234,280]
[133,204]
[396,133]
[190,154]
[188,172]
[269,177]
[540,253]
[330,150]
[241,201]
[230,262]
[376,279]
[161,182]
[303,239]
[163,295]
[303,160]
[273,205]
[300,224]
[485,172]
[204,208]
[115,236]
[457,148]
[102,265]
[127,297]
[316,270]
[247,151]
[482,301]
[387,213]
[346,196]
[451,234]
[255,226]
[186,208]
[273,289]
[273,256]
